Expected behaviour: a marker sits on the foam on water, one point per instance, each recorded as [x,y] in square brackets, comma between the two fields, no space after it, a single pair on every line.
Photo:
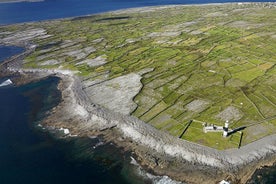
[6,83]
[155,179]
[163,180]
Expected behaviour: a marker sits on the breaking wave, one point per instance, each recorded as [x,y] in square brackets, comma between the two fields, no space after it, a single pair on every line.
[163,180]
[154,179]
[6,83]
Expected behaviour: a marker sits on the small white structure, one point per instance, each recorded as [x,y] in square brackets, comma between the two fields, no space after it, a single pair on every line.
[224,182]
[213,128]
[225,133]
[225,129]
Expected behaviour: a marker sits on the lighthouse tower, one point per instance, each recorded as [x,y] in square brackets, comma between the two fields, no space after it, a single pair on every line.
[225,129]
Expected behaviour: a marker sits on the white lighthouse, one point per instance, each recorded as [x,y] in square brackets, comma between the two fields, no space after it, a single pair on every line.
[225,129]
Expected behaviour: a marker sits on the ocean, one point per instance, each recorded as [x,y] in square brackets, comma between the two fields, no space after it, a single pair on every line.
[28,154]
[6,52]
[51,9]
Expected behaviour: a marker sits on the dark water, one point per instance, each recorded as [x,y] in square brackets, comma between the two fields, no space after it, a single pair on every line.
[6,52]
[28,155]
[51,9]
[264,176]
[31,155]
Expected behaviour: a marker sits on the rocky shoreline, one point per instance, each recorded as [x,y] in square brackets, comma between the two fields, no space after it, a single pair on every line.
[157,151]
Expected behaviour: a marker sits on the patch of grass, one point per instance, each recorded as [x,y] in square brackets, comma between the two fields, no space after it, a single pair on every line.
[249,75]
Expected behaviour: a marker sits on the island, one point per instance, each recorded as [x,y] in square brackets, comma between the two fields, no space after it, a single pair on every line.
[188,89]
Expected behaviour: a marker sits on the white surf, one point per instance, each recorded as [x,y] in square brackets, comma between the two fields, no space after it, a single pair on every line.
[153,178]
[6,83]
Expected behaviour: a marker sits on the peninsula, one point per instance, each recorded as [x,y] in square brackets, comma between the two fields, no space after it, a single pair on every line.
[190,90]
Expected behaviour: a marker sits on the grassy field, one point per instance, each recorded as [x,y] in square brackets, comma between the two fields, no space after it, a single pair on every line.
[208,63]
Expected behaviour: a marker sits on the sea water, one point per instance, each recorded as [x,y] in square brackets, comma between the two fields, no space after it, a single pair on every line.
[52,9]
[8,51]
[30,154]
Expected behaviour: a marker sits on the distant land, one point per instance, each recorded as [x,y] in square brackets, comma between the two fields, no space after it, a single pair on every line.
[190,90]
[16,1]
